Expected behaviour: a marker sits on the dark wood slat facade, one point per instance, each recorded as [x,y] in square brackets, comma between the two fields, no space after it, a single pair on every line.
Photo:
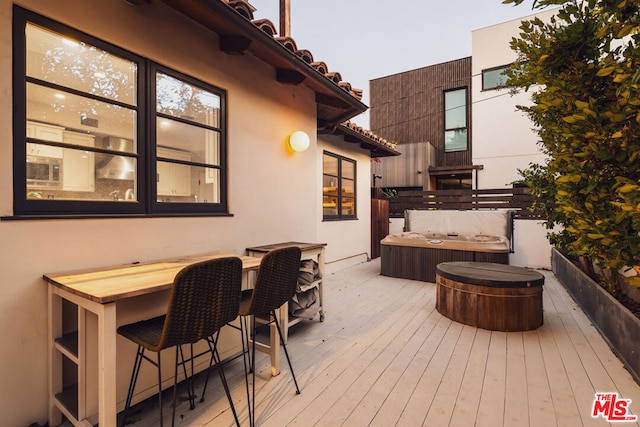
[379,224]
[409,108]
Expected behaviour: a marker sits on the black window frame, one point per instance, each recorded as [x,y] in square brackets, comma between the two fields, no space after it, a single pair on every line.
[339,177]
[504,68]
[187,208]
[146,204]
[466,118]
[459,179]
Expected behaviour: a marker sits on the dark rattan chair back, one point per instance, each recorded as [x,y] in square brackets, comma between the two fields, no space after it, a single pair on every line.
[276,285]
[277,280]
[205,297]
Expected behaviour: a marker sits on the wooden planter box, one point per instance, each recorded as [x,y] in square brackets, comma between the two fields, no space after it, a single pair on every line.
[616,323]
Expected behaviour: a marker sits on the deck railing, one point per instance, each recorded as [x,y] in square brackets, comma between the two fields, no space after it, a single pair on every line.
[518,199]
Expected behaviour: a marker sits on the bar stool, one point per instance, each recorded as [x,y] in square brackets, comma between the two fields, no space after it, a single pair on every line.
[275,285]
[205,296]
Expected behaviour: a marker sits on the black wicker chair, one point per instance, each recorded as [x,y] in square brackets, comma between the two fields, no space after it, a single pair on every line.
[205,296]
[275,286]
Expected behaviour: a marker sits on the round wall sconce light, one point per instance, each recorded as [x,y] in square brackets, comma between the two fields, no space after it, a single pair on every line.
[299,141]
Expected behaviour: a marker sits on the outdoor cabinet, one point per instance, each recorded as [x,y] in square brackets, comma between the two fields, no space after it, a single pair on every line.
[309,251]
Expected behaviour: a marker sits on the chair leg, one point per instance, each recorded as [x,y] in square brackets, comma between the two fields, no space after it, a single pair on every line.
[244,335]
[175,383]
[134,379]
[252,421]
[286,353]
[211,342]
[206,378]
[247,338]
[188,378]
[215,360]
[132,383]
[223,379]
[160,389]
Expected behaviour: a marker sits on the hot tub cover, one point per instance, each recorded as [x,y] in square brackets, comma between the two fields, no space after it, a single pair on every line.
[462,242]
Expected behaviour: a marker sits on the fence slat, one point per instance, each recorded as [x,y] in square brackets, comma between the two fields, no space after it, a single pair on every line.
[518,199]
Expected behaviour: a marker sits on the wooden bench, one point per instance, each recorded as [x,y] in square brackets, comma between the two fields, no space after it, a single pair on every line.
[490,296]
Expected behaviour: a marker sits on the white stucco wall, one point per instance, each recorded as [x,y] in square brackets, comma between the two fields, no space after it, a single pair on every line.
[344,243]
[531,247]
[503,140]
[274,194]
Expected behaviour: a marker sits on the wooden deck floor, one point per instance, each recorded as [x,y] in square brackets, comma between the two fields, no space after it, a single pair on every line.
[385,357]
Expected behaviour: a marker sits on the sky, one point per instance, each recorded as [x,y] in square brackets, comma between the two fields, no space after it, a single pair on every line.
[367,39]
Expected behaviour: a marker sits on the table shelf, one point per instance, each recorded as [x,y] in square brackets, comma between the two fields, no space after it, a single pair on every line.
[68,345]
[67,402]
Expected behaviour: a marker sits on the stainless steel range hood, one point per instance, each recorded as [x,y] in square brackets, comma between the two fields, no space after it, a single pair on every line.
[110,166]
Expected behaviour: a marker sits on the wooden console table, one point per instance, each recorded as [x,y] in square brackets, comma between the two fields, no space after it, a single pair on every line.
[97,291]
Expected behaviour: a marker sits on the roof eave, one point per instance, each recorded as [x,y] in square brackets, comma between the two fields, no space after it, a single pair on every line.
[335,104]
[376,148]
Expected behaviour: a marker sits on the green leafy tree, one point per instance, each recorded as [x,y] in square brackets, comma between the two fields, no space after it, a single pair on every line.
[582,70]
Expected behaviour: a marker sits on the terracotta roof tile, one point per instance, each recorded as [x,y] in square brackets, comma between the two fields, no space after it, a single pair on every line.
[335,76]
[245,9]
[369,134]
[320,66]
[242,7]
[288,42]
[305,55]
[345,85]
[265,25]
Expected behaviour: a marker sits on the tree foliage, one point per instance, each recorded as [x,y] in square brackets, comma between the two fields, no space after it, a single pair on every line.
[582,69]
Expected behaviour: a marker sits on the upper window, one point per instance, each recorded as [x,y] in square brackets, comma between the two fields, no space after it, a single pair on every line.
[98,130]
[494,78]
[338,187]
[455,120]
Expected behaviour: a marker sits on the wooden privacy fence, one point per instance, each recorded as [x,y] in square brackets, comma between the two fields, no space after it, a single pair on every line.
[519,199]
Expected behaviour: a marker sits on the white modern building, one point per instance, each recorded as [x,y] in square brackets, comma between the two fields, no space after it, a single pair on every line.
[503,141]
[458,128]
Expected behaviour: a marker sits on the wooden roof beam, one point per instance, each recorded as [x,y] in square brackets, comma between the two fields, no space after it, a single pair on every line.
[289,76]
[234,44]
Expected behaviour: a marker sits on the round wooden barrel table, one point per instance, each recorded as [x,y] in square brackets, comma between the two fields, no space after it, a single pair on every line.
[491,296]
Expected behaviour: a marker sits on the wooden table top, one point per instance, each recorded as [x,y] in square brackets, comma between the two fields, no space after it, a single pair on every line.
[489,274]
[302,246]
[109,284]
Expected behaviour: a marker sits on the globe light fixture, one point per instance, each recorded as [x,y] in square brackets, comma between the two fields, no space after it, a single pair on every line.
[299,141]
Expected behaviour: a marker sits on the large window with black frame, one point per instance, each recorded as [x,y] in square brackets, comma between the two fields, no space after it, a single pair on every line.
[338,187]
[99,130]
[455,120]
